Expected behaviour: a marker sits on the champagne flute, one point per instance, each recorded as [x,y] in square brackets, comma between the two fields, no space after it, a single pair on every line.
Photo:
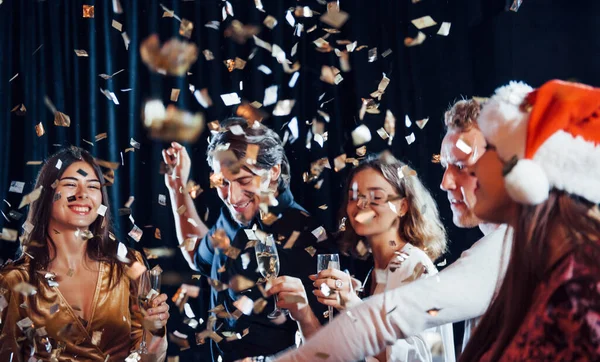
[149,288]
[143,291]
[268,266]
[328,261]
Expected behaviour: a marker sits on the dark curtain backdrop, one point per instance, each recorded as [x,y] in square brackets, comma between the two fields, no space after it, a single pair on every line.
[487,46]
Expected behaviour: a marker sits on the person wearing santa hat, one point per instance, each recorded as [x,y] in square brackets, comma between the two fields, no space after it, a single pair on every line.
[541,175]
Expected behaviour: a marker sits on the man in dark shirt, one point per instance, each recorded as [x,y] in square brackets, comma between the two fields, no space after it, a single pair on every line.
[251,175]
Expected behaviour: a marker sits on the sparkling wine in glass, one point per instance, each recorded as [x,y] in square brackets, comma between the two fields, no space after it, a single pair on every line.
[268,265]
[328,261]
[148,289]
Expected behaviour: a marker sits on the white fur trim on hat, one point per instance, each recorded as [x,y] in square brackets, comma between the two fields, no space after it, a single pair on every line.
[503,122]
[571,164]
[527,183]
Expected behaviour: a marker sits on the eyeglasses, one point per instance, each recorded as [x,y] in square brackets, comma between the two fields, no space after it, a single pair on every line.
[375,197]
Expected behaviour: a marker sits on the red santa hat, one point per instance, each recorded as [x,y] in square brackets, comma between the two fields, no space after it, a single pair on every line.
[549,137]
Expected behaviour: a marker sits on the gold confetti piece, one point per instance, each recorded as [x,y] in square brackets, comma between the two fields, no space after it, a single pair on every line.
[172,123]
[174,57]
[339,162]
[31,197]
[444,29]
[411,42]
[62,120]
[240,33]
[9,234]
[284,107]
[372,55]
[361,248]
[39,129]
[218,285]
[320,234]
[322,355]
[335,18]
[410,138]
[174,94]
[117,25]
[126,40]
[25,289]
[33,163]
[136,233]
[239,283]
[406,171]
[311,250]
[516,5]
[20,110]
[385,81]
[422,122]
[203,97]
[208,54]
[368,106]
[463,146]
[88,11]
[233,64]
[433,312]
[25,324]
[244,304]
[329,74]
[423,22]
[100,136]
[365,216]
[117,8]
[263,44]
[17,187]
[383,134]
[96,336]
[270,22]
[185,28]
[263,68]
[231,99]
[361,135]
[81,53]
[110,95]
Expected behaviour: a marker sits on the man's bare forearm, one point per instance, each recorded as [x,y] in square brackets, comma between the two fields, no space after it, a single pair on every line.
[309,325]
[187,223]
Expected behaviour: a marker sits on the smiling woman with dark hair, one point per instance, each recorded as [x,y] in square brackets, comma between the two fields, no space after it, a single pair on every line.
[69,296]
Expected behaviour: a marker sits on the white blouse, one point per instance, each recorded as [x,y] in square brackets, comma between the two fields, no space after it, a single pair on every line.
[410,264]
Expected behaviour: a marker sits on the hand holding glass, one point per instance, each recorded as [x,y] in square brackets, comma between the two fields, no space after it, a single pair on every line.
[268,266]
[328,261]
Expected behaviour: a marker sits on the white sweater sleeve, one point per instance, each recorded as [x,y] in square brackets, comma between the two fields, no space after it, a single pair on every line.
[461,291]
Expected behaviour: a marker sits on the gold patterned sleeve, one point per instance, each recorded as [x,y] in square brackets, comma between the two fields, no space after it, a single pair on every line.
[10,333]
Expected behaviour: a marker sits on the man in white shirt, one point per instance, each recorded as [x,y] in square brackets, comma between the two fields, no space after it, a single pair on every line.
[460,292]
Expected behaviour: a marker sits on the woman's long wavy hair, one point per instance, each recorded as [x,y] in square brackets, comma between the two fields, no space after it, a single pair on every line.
[535,238]
[421,226]
[39,243]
